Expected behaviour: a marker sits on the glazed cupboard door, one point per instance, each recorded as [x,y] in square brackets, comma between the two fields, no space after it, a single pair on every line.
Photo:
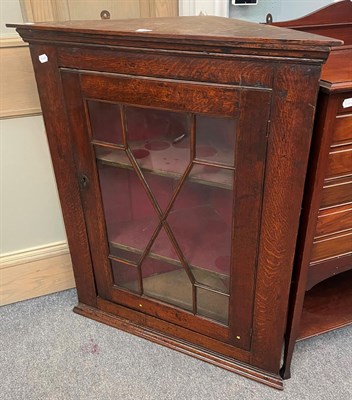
[171,175]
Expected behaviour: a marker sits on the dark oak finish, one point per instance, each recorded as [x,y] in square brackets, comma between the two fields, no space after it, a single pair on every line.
[336,74]
[210,33]
[332,220]
[284,175]
[192,97]
[331,246]
[200,67]
[325,237]
[260,81]
[336,191]
[342,131]
[340,162]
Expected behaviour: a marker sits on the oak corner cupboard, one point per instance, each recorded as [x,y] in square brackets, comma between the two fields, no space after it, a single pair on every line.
[180,149]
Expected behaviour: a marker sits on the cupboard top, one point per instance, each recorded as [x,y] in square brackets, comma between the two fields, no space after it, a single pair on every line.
[189,33]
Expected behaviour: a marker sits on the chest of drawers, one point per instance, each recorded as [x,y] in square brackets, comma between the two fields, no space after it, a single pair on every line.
[321,295]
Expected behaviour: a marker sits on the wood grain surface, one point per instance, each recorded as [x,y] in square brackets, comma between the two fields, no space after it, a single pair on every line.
[51,98]
[239,73]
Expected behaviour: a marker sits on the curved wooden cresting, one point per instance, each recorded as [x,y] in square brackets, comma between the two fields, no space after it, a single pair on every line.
[334,20]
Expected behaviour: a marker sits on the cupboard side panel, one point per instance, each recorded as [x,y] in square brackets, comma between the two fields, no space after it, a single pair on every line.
[312,198]
[294,97]
[51,97]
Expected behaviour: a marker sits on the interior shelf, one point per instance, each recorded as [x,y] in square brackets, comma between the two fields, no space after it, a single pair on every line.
[207,278]
[208,251]
[173,287]
[327,306]
[172,161]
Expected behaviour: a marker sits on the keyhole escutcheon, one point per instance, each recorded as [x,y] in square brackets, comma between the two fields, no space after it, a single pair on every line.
[84,181]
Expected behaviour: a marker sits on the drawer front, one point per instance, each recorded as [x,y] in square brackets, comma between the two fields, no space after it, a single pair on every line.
[340,162]
[342,130]
[332,246]
[334,219]
[336,192]
[346,104]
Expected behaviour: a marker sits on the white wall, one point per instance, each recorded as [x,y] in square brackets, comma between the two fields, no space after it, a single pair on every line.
[207,7]
[10,11]
[281,10]
[30,214]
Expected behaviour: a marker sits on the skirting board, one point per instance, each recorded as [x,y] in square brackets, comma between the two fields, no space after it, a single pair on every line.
[35,272]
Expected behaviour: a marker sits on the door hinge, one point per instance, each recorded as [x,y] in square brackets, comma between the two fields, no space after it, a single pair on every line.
[268,128]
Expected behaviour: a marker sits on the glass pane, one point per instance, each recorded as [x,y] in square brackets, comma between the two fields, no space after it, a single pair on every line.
[200,217]
[212,305]
[161,186]
[130,217]
[163,275]
[125,276]
[167,282]
[163,248]
[215,139]
[201,220]
[155,137]
[152,134]
[105,121]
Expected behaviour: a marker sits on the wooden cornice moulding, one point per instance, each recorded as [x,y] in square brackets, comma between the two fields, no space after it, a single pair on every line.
[233,37]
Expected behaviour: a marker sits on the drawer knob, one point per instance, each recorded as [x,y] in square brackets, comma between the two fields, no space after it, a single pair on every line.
[105,14]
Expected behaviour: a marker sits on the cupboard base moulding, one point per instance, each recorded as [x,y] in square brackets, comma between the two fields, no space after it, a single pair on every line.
[168,341]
